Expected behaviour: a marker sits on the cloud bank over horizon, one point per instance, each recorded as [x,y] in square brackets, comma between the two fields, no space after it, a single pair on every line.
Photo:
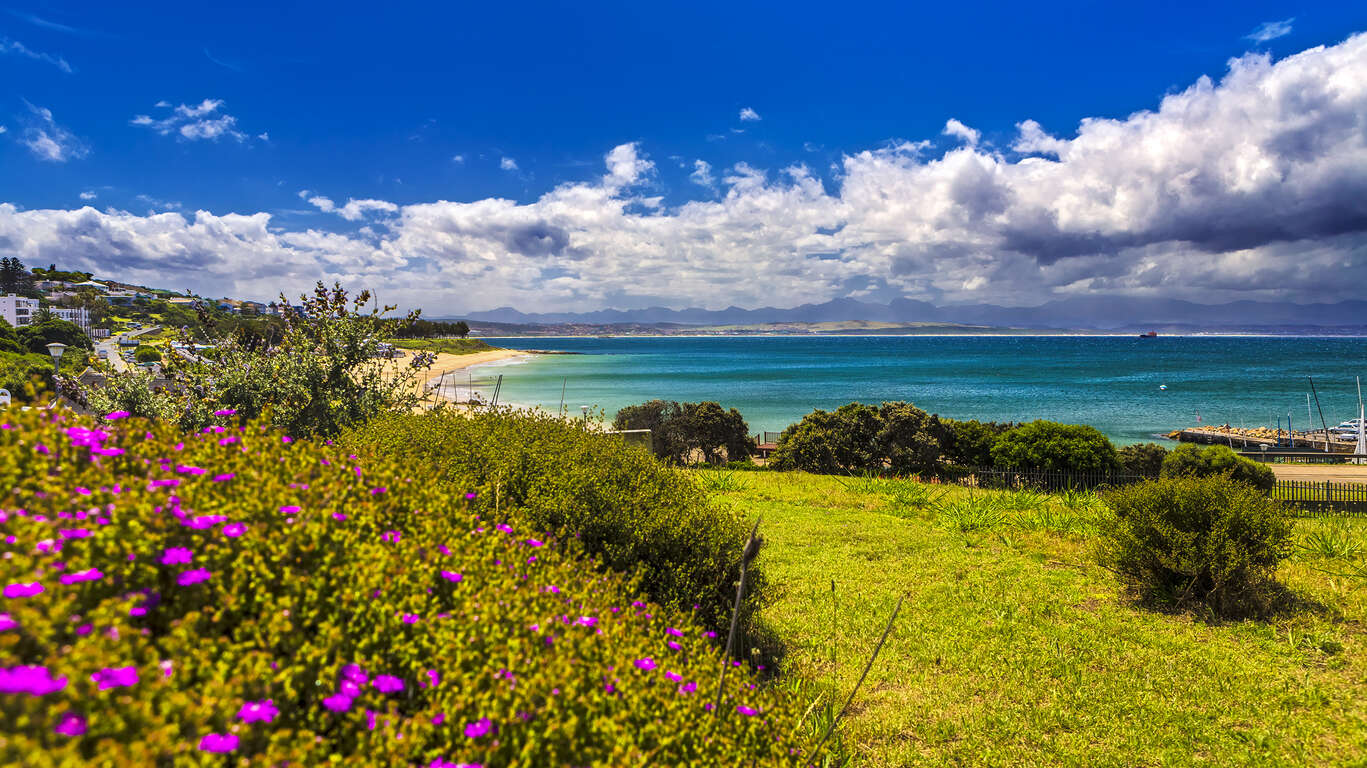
[1252,187]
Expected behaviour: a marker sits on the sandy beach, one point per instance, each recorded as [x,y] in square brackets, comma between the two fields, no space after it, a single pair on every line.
[452,371]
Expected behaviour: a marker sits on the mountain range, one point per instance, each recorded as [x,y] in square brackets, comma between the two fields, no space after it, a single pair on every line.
[1082,313]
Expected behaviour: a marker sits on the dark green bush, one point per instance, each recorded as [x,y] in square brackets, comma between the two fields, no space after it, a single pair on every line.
[146,353]
[1191,460]
[896,437]
[622,505]
[1190,540]
[163,592]
[969,443]
[37,336]
[1055,447]
[1145,459]
[681,431]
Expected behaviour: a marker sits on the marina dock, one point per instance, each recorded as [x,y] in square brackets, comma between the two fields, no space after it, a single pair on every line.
[1254,439]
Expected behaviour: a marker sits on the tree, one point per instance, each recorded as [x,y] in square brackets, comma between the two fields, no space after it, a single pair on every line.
[1144,459]
[1055,447]
[719,435]
[37,336]
[9,339]
[909,439]
[145,353]
[1191,460]
[11,271]
[969,443]
[844,441]
[462,328]
[658,416]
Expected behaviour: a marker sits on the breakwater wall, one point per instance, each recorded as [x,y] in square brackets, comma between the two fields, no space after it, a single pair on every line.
[1253,439]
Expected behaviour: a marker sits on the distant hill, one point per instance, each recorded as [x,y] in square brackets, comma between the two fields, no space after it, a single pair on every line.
[1102,313]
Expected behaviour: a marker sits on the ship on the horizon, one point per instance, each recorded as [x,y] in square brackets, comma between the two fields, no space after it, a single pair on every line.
[1149,335]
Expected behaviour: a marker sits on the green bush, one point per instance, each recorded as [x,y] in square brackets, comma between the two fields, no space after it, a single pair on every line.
[37,336]
[1055,447]
[1191,460]
[623,506]
[896,437]
[146,354]
[678,432]
[166,595]
[1186,540]
[969,443]
[1144,459]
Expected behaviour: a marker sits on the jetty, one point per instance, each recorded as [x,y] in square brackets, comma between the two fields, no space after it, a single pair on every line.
[1255,439]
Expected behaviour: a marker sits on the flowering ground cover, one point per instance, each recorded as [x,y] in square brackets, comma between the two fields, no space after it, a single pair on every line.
[235,595]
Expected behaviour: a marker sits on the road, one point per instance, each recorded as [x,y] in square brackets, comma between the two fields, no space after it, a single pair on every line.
[1320,473]
[111,347]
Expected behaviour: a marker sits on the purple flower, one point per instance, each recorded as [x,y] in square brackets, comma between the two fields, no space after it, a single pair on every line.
[411,618]
[170,482]
[504,528]
[673,645]
[338,702]
[186,469]
[224,477]
[69,724]
[177,556]
[478,728]
[226,412]
[392,536]
[535,543]
[89,574]
[387,684]
[439,718]
[20,589]
[338,516]
[7,622]
[451,576]
[646,664]
[747,711]
[218,742]
[40,448]
[203,522]
[470,495]
[586,621]
[115,415]
[116,677]
[193,577]
[35,681]
[289,509]
[378,491]
[167,667]
[74,533]
[673,631]
[672,675]
[258,711]
[355,674]
[433,679]
[688,687]
[107,451]
[233,530]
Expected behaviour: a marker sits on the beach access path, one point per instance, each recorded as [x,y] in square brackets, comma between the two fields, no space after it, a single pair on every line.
[1322,473]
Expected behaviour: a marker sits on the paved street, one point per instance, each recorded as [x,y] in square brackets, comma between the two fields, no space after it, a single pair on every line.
[111,347]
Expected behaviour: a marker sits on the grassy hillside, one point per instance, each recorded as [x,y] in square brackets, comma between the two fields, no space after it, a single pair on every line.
[1015,648]
[444,346]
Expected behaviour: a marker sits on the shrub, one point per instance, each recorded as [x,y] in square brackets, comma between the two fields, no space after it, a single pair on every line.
[37,336]
[1197,539]
[1055,447]
[677,431]
[969,443]
[616,500]
[896,437]
[168,595]
[147,354]
[1191,460]
[1145,459]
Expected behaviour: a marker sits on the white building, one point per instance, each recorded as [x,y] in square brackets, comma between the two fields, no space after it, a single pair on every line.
[18,311]
[78,316]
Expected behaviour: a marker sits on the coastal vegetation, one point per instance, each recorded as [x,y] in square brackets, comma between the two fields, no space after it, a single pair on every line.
[1020,646]
[895,437]
[443,346]
[234,594]
[1190,460]
[682,433]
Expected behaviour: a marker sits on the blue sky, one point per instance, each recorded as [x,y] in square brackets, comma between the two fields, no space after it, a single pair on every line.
[405,106]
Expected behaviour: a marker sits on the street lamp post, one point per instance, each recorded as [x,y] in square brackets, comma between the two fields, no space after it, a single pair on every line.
[585,410]
[56,349]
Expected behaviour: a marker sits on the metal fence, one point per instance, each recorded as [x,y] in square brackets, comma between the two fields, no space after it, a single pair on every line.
[1303,498]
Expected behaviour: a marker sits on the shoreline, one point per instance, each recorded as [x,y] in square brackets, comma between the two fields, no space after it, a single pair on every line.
[459,389]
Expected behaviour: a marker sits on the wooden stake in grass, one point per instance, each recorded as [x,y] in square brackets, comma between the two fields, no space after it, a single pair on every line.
[751,549]
[886,631]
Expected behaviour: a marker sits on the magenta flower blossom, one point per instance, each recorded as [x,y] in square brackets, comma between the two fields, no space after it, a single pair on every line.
[21,589]
[177,556]
[337,702]
[116,677]
[40,448]
[258,711]
[747,711]
[286,440]
[226,476]
[170,482]
[186,469]
[355,674]
[439,718]
[688,687]
[226,412]
[478,728]
[167,667]
[378,491]
[89,574]
[470,495]
[203,522]
[338,516]
[451,576]
[35,681]
[673,645]
[672,675]
[69,724]
[673,631]
[289,509]
[218,742]
[411,618]
[7,622]
[116,415]
[646,664]
[387,684]
[535,543]
[587,621]
[193,577]
[233,530]
[503,528]
[392,536]
[433,679]
[74,533]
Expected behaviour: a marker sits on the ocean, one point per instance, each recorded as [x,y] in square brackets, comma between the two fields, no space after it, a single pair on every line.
[1112,383]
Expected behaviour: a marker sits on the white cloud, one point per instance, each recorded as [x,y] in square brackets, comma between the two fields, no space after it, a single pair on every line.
[88,195]
[702,174]
[49,141]
[458,159]
[16,48]
[1252,187]
[508,164]
[960,131]
[196,122]
[1270,30]
[748,115]
[4,129]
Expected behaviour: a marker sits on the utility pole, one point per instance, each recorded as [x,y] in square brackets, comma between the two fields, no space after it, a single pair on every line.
[1324,423]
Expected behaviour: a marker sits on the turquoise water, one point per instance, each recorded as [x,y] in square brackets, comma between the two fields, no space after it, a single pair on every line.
[1111,383]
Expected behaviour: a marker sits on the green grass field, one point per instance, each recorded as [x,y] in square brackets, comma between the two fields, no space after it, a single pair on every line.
[446,346]
[1014,647]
